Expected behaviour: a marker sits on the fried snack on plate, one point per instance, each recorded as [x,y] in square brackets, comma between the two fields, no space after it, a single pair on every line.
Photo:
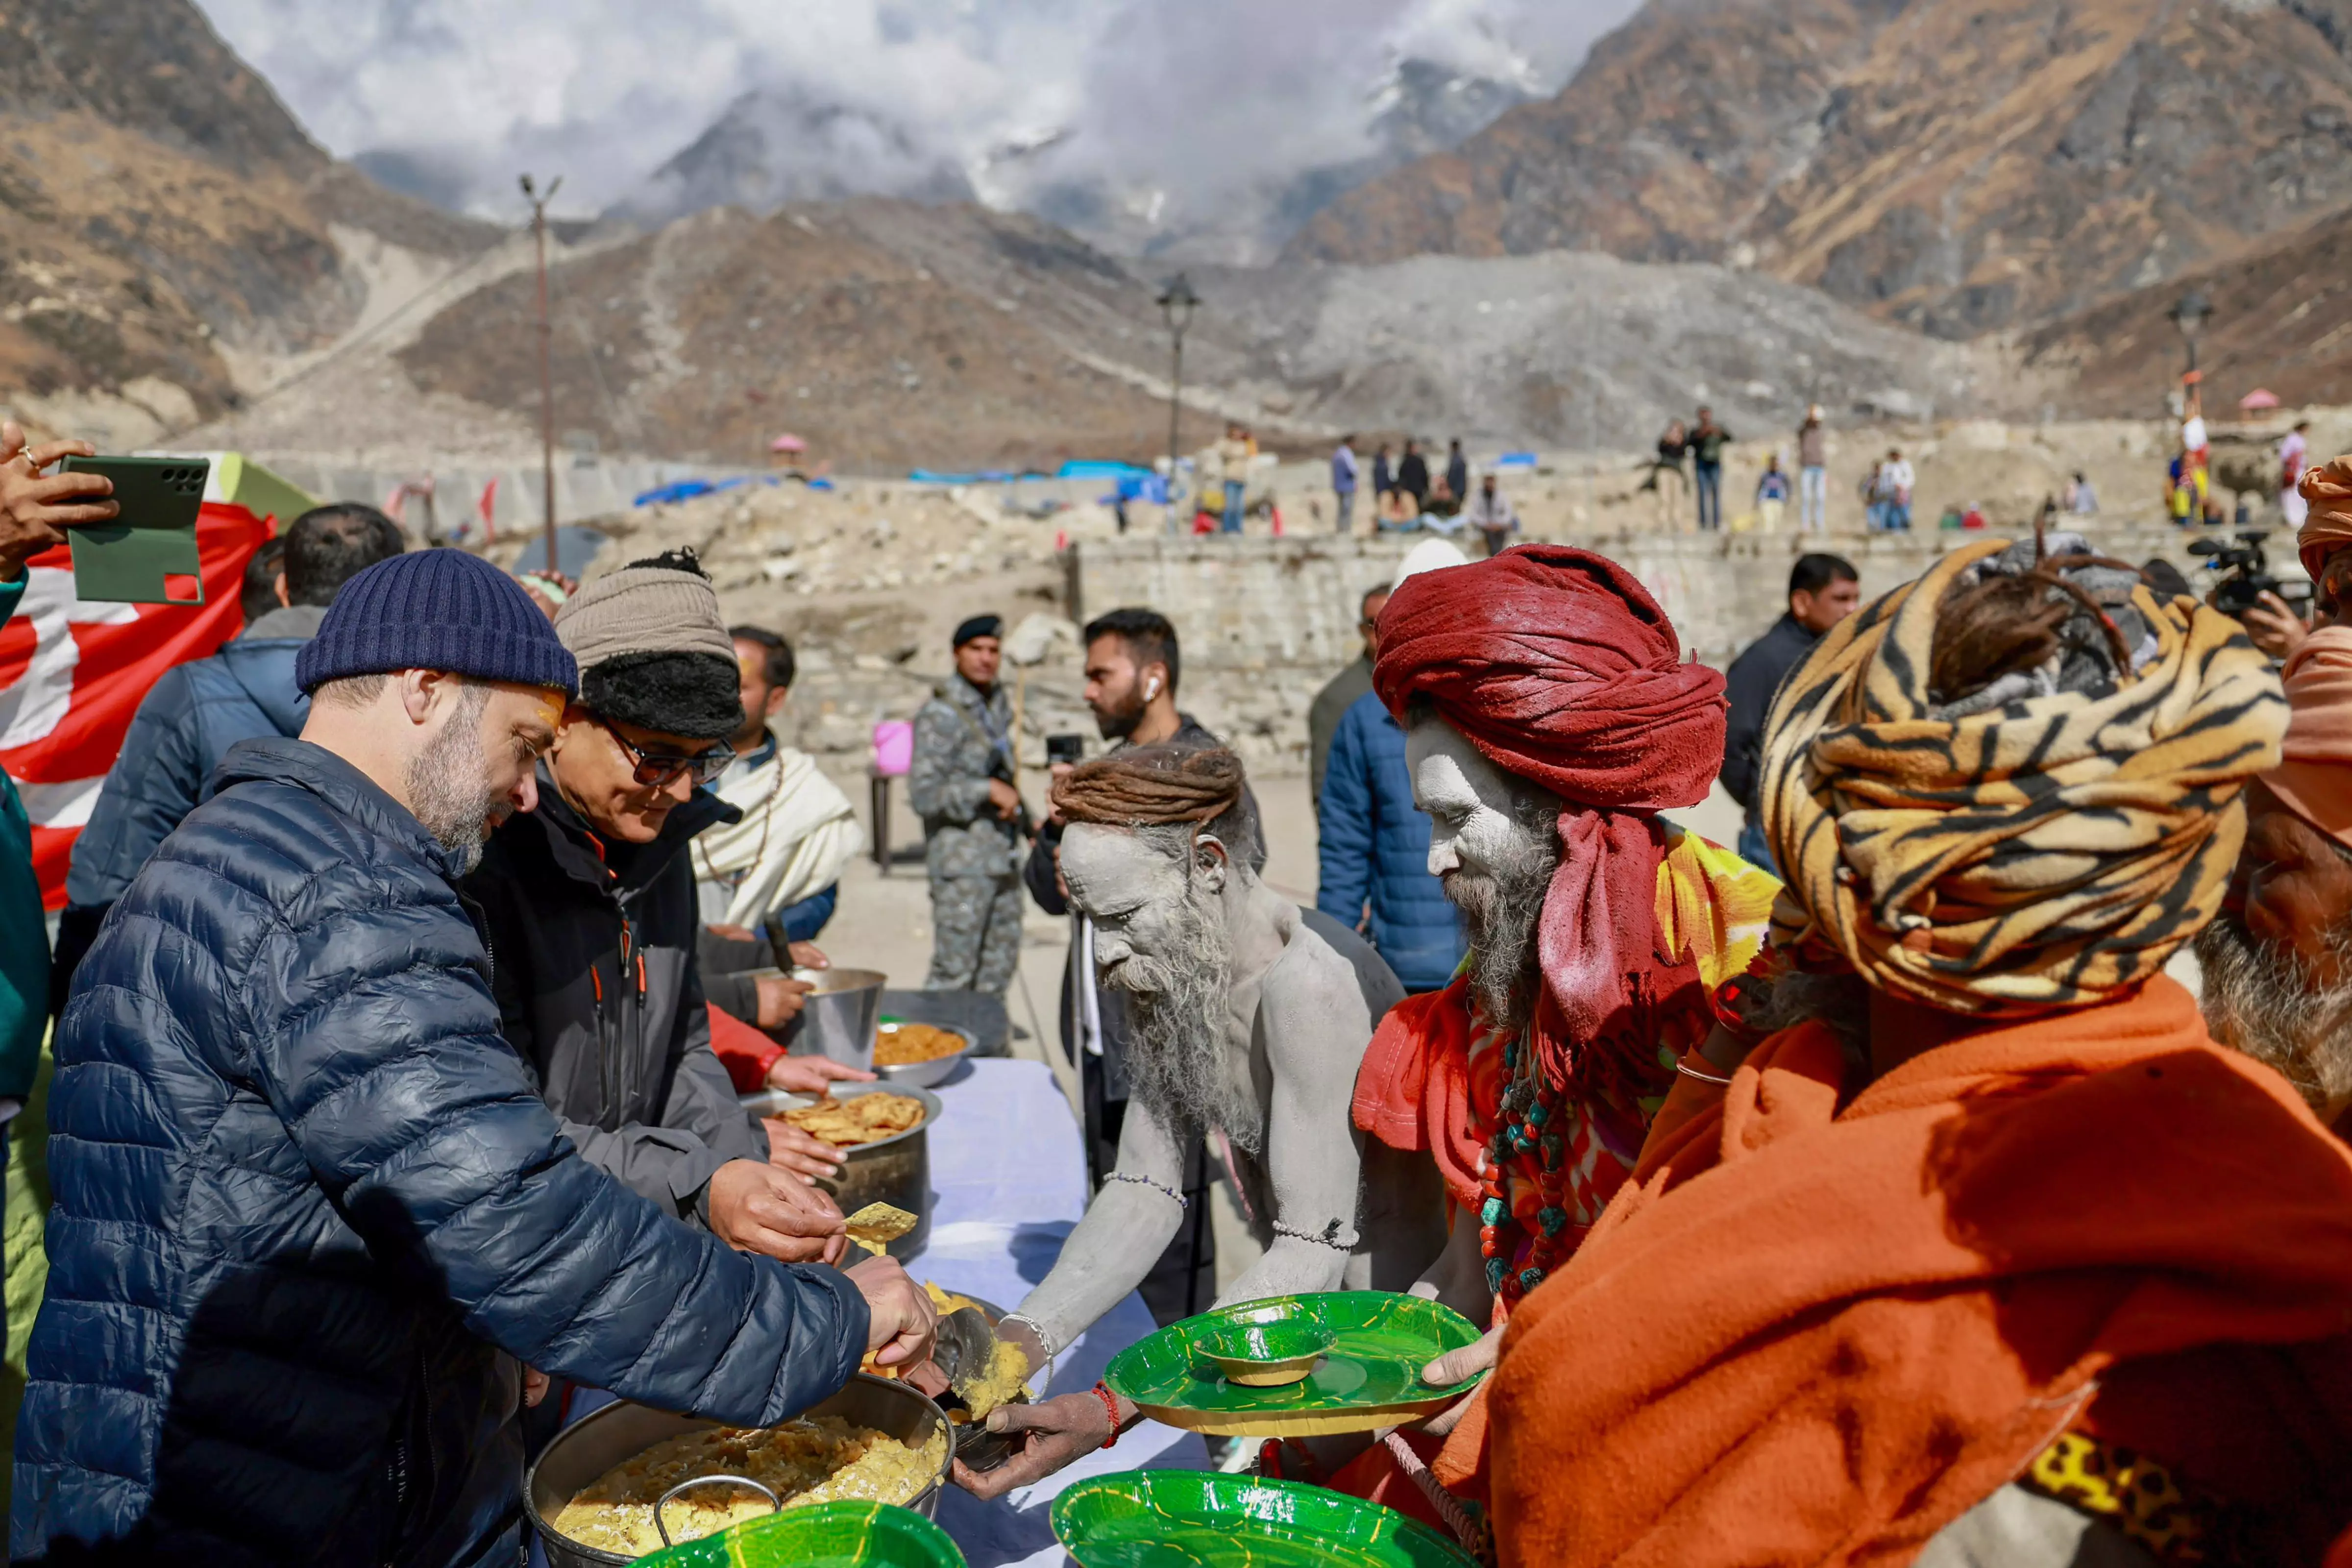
[860,1118]
[876,1226]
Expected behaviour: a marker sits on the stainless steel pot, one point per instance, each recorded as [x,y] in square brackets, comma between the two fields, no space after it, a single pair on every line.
[926,1075]
[896,1170]
[585,1450]
[837,1019]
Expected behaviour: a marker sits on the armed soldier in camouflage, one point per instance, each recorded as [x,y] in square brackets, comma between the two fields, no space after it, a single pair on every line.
[974,826]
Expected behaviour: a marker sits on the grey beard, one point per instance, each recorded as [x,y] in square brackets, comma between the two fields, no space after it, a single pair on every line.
[445,788]
[1176,1049]
[1502,906]
[2258,999]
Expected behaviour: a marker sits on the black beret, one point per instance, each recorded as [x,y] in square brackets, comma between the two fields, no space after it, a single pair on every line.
[979,626]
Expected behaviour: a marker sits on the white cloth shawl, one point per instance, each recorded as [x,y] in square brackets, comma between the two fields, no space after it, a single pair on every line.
[798,831]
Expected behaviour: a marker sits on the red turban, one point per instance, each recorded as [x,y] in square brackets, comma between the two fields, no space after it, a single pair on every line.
[1560,667]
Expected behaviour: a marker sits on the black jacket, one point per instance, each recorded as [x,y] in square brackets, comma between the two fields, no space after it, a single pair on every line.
[309,1205]
[1754,677]
[600,988]
[1413,476]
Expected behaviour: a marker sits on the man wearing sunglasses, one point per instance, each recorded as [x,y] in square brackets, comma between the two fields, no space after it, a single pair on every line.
[592,920]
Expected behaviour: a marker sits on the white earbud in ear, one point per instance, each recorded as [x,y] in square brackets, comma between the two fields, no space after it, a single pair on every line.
[1152,689]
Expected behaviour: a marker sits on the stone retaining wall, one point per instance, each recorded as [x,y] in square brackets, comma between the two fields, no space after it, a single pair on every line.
[1265,622]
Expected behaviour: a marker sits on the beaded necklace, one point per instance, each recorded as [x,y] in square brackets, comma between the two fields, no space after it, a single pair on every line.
[1530,1110]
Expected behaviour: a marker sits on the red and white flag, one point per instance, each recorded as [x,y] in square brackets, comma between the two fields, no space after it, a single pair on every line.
[73,672]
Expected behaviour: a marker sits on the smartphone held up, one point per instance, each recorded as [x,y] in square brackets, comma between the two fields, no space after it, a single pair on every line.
[147,553]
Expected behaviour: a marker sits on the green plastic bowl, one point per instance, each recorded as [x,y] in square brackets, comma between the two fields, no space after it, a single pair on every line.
[1198,1518]
[1268,1355]
[847,1534]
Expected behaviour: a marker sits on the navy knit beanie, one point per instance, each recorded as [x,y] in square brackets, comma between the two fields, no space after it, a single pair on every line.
[437,609]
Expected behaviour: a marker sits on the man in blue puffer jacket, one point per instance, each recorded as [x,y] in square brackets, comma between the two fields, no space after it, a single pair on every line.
[1375,852]
[197,711]
[313,1218]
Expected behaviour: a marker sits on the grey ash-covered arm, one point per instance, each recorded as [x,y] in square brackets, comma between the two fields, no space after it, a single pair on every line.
[1122,1234]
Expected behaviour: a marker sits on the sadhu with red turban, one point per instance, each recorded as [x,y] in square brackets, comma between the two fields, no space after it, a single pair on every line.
[1551,717]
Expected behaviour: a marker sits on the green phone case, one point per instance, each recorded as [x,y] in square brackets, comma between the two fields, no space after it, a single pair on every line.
[128,559]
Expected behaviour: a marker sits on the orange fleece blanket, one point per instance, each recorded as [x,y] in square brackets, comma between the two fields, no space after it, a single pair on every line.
[1819,1335]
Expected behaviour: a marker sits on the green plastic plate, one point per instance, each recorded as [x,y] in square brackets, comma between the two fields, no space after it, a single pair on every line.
[1370,1376]
[821,1535]
[1178,1519]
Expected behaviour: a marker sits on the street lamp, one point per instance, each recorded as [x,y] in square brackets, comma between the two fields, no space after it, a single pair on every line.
[2189,314]
[1177,303]
[538,200]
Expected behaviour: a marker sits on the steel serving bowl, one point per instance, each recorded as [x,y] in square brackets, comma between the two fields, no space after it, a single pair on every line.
[924,1075]
[584,1450]
[895,1169]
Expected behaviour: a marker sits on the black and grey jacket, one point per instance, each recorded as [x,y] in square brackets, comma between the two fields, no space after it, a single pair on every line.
[599,988]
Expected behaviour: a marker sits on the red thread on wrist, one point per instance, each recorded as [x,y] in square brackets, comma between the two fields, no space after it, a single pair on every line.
[1111,1406]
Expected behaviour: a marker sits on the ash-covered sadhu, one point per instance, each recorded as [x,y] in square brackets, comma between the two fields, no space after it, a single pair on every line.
[1549,717]
[1989,1250]
[1248,1017]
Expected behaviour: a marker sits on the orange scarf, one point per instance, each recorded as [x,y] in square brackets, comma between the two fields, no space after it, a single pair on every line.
[1819,1335]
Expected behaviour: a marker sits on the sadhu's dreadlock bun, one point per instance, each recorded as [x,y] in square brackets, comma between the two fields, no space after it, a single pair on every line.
[1163,785]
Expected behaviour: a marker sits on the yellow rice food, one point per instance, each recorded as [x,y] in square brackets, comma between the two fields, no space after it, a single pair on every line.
[815,1458]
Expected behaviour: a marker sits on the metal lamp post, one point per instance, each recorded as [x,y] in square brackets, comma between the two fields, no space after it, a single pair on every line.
[2189,313]
[538,200]
[1177,303]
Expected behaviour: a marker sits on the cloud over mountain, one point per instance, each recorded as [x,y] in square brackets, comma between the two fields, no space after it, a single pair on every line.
[1169,116]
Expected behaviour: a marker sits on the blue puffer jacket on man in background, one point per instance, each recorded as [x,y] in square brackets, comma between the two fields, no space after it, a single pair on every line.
[1375,851]
[311,1216]
[197,711]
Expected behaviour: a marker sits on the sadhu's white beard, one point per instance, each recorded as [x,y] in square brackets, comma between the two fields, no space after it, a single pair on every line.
[1176,1009]
[1502,908]
[2257,998]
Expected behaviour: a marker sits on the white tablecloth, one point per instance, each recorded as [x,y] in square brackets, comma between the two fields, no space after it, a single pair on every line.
[1009,1180]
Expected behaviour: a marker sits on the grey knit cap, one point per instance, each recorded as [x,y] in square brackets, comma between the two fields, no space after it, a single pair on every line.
[653,648]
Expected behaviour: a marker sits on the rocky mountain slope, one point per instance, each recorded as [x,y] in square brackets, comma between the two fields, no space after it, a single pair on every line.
[894,333]
[1961,168]
[707,338]
[161,212]
[2281,321]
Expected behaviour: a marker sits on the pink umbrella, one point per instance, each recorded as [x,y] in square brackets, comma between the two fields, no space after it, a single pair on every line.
[788,443]
[2260,398]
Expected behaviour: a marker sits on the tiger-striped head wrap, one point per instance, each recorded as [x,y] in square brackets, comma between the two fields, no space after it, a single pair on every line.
[2047,848]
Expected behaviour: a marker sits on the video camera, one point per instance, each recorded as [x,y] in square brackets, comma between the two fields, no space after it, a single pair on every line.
[2249,576]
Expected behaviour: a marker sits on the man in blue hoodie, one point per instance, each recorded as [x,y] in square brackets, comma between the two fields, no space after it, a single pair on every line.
[191,716]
